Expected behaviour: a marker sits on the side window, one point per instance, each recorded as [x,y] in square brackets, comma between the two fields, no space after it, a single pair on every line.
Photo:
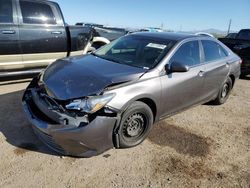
[37,13]
[6,11]
[223,52]
[213,51]
[188,54]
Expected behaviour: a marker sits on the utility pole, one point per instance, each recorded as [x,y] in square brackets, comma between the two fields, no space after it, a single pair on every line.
[162,25]
[229,26]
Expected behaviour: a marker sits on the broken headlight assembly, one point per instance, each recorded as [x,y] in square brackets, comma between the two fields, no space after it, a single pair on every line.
[90,104]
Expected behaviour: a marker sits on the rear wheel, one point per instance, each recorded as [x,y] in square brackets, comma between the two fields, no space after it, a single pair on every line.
[224,92]
[135,125]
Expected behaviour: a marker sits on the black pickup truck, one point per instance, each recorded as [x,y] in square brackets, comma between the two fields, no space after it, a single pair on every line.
[33,34]
[103,35]
[241,46]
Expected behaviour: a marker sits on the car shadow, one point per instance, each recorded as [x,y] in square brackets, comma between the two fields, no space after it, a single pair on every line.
[183,141]
[210,103]
[16,128]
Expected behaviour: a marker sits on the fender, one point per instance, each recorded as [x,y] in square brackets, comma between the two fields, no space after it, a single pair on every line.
[100,39]
[138,98]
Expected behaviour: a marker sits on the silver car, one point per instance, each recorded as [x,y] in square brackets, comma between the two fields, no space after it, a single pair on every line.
[83,106]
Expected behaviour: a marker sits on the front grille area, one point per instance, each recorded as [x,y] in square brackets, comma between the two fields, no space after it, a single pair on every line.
[38,113]
[50,102]
[48,140]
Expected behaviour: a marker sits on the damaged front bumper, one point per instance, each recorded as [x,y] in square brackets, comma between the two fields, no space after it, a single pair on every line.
[66,134]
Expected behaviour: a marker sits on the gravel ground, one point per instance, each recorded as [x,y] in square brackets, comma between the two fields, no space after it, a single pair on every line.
[206,146]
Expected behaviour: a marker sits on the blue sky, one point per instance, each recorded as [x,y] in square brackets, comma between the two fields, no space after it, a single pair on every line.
[185,15]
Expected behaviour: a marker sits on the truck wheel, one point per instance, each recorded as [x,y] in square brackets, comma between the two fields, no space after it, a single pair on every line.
[224,92]
[136,124]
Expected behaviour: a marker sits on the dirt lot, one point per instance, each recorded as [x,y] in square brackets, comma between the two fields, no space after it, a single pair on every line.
[207,146]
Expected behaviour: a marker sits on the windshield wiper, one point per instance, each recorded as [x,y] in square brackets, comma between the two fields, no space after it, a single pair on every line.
[113,60]
[94,54]
[109,58]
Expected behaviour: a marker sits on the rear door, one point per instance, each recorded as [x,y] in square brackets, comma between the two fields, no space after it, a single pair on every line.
[183,89]
[217,66]
[10,53]
[42,33]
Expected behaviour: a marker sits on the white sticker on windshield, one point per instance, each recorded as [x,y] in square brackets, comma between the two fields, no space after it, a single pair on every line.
[159,46]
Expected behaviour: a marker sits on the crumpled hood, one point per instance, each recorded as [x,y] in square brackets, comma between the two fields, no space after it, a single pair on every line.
[78,77]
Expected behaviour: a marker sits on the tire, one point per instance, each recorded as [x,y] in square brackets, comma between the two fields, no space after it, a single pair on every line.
[224,92]
[136,123]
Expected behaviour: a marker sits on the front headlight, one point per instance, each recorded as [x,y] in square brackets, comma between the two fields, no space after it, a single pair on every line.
[91,104]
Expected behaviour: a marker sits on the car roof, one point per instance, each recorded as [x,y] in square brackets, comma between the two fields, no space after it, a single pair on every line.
[165,35]
[46,1]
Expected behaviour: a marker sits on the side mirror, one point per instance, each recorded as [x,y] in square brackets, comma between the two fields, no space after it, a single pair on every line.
[177,67]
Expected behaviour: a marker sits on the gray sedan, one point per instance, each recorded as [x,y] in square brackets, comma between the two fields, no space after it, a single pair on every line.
[83,106]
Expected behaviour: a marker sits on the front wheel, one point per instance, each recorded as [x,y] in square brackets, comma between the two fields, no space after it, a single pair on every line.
[224,92]
[136,124]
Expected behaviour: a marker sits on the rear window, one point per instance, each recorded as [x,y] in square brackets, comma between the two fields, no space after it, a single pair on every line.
[213,51]
[37,13]
[6,11]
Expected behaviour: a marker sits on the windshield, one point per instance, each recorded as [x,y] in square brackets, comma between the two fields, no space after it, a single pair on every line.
[137,51]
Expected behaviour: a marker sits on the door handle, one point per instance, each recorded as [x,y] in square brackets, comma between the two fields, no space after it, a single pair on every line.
[56,32]
[227,64]
[201,73]
[8,32]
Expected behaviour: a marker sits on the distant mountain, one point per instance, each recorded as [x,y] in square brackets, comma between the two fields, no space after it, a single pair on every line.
[217,31]
[213,31]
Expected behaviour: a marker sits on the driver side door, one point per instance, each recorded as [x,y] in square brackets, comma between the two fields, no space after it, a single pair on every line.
[10,51]
[181,90]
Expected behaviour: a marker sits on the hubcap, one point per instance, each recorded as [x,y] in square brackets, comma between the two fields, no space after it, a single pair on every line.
[225,91]
[134,125]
